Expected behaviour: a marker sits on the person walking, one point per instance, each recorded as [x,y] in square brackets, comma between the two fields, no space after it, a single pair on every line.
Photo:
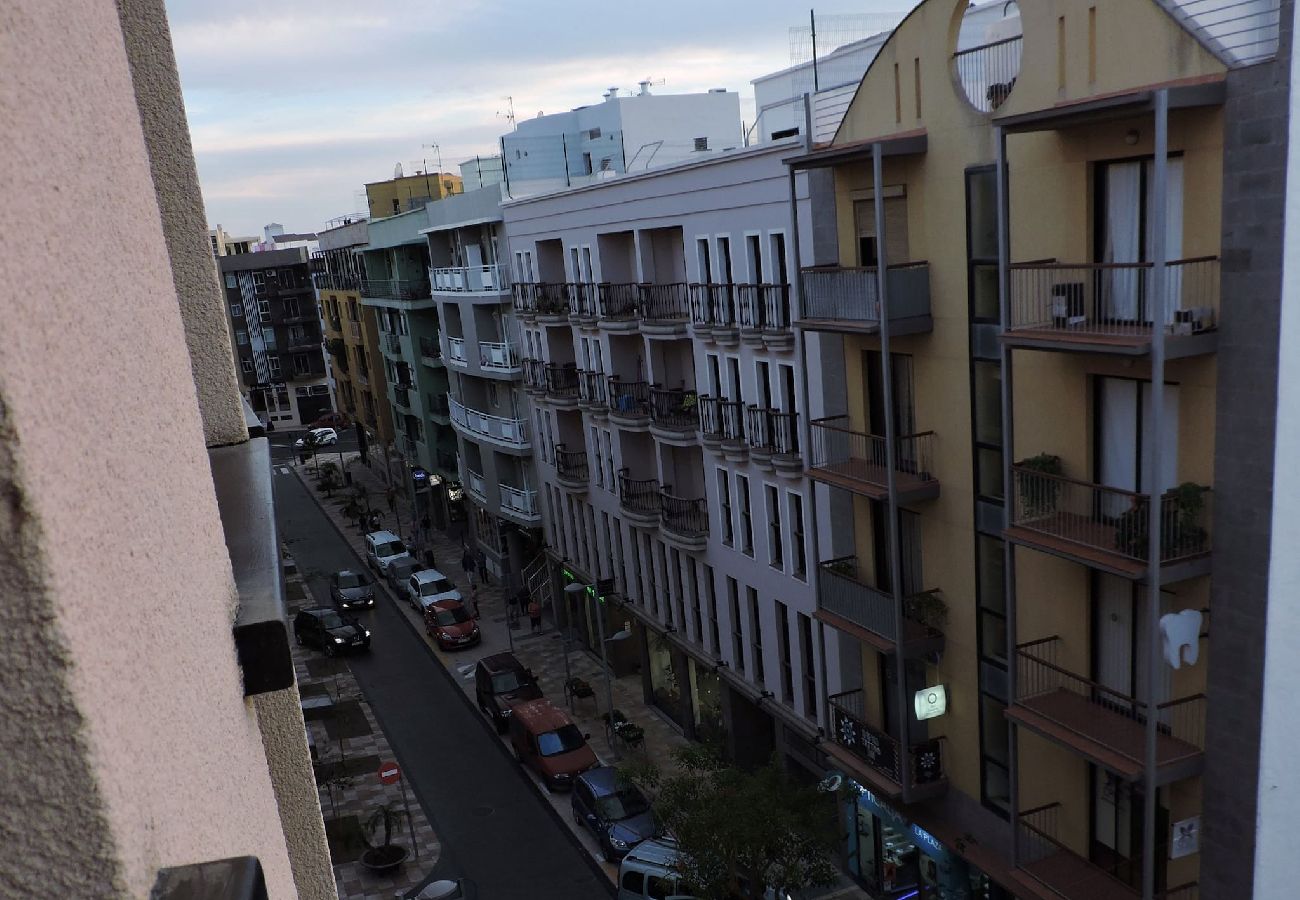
[469,564]
[535,616]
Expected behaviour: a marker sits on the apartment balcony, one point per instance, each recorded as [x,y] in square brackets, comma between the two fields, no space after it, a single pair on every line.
[714,316]
[334,323]
[499,431]
[362,376]
[542,302]
[519,505]
[843,299]
[618,306]
[395,289]
[1104,725]
[392,345]
[410,448]
[593,395]
[534,376]
[300,343]
[1050,870]
[875,758]
[584,304]
[763,312]
[439,409]
[456,353]
[499,358]
[402,396]
[639,499]
[571,469]
[430,353]
[665,310]
[324,281]
[684,521]
[629,404]
[562,385]
[848,603]
[475,485]
[856,461]
[774,439]
[1106,528]
[674,416]
[493,280]
[1112,308]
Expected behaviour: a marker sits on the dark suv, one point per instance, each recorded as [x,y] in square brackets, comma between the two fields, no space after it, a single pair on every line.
[349,589]
[325,629]
[500,681]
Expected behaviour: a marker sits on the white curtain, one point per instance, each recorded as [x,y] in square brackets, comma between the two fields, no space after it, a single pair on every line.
[1123,240]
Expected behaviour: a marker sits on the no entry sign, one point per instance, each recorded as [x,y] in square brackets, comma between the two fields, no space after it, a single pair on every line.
[389,773]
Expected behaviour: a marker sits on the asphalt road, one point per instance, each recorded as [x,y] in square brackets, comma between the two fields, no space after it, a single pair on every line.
[495,829]
[282,445]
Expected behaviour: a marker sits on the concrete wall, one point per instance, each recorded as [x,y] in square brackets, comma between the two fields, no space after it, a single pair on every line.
[127,741]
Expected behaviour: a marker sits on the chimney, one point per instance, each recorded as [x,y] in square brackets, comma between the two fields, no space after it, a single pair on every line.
[645,88]
[611,93]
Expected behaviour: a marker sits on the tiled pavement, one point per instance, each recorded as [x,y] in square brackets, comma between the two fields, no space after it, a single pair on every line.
[342,727]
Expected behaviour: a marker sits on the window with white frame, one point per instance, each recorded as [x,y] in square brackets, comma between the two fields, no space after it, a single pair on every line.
[600,463]
[737,631]
[274,362]
[611,483]
[746,517]
[775,543]
[724,507]
[798,549]
[237,310]
[711,640]
[247,365]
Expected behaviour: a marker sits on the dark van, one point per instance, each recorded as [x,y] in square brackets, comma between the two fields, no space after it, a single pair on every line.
[500,681]
[545,740]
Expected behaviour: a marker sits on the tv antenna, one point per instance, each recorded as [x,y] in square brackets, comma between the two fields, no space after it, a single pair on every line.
[509,114]
[436,149]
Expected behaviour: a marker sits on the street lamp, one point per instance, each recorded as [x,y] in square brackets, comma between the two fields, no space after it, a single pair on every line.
[622,635]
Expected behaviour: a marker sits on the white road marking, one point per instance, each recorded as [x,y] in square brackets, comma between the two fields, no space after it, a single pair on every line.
[284,470]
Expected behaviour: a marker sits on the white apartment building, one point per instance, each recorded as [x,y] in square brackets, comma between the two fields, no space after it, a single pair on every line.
[669,435]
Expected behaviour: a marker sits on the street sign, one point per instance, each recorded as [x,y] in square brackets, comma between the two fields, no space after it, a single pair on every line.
[389,773]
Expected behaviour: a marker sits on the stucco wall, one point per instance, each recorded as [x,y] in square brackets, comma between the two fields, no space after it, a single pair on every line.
[127,743]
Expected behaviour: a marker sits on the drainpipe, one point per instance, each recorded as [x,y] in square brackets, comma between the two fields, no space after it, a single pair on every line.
[895,553]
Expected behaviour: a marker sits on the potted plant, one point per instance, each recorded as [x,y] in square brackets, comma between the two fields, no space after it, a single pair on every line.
[385,856]
[927,609]
[1038,496]
[1181,533]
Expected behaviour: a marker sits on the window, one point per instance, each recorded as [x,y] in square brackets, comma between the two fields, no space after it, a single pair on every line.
[724,507]
[636,563]
[711,642]
[755,633]
[620,559]
[600,463]
[808,660]
[693,599]
[230,281]
[593,134]
[737,637]
[775,547]
[611,483]
[494,398]
[274,362]
[246,365]
[264,310]
[268,338]
[701,143]
[798,552]
[291,308]
[746,520]
[241,338]
[236,310]
[783,648]
[301,364]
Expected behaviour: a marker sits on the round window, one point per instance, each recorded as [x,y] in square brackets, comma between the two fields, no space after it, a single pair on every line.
[986,61]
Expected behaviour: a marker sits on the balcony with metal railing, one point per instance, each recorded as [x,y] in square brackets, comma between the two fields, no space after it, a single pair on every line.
[498,358]
[571,468]
[665,310]
[1106,726]
[857,461]
[848,602]
[534,375]
[475,484]
[562,385]
[500,431]
[545,301]
[629,403]
[639,499]
[674,415]
[584,303]
[763,313]
[456,354]
[593,395]
[430,352]
[987,73]
[395,288]
[392,344]
[490,279]
[402,396]
[683,521]
[714,316]
[439,408]
[618,305]
[519,504]
[875,757]
[1107,528]
[354,329]
[847,299]
[722,427]
[774,438]
[1112,308]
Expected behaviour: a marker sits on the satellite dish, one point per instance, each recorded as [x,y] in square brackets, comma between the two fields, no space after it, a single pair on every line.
[397,171]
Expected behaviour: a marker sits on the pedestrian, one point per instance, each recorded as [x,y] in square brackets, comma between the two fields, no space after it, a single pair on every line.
[473,600]
[518,603]
[535,615]
[468,563]
[482,567]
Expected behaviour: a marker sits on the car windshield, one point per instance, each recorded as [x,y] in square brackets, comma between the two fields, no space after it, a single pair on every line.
[331,620]
[437,586]
[392,548]
[506,681]
[561,740]
[452,616]
[352,580]
[623,805]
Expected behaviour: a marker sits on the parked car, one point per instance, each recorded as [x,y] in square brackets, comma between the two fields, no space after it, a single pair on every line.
[332,420]
[399,572]
[615,811]
[349,589]
[545,740]
[323,628]
[648,872]
[383,548]
[500,681]
[449,623]
[427,587]
[324,438]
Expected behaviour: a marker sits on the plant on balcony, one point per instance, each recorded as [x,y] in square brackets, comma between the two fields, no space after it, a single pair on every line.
[927,609]
[846,567]
[1181,532]
[1038,496]
[383,856]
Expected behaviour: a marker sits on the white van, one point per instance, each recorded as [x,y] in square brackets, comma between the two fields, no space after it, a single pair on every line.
[647,873]
[382,548]
[428,587]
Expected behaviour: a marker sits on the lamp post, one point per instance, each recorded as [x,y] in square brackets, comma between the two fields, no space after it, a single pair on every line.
[622,635]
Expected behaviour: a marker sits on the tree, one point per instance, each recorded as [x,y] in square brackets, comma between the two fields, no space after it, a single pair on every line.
[742,832]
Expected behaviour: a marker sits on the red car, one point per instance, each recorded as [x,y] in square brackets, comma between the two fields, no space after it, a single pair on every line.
[451,625]
[332,420]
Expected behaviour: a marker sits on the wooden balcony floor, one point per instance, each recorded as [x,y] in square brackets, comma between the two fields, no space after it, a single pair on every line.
[871,479]
[1064,875]
[1119,339]
[1044,533]
[1108,738]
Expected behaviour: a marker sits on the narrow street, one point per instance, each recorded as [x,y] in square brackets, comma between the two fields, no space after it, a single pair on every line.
[494,828]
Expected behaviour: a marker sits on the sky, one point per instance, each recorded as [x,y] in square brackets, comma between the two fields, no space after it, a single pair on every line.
[294,104]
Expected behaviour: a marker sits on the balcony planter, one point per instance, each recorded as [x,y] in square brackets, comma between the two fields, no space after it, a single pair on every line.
[1181,533]
[1039,496]
[927,609]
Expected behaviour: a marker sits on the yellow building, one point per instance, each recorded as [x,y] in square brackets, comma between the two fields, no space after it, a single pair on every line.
[407,192]
[989,547]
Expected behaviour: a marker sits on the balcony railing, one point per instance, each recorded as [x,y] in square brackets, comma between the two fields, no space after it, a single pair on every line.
[393,343]
[618,301]
[395,288]
[1110,521]
[511,432]
[562,381]
[844,593]
[638,495]
[763,307]
[430,349]
[858,459]
[664,302]
[722,419]
[988,73]
[534,374]
[402,396]
[850,296]
[1113,302]
[1084,714]
[335,323]
[469,278]
[773,430]
[714,304]
[327,282]
[583,300]
[880,752]
[498,356]
[629,398]
[523,503]
[591,387]
[541,298]
[686,517]
[571,464]
[354,328]
[675,409]
[475,484]
[456,351]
